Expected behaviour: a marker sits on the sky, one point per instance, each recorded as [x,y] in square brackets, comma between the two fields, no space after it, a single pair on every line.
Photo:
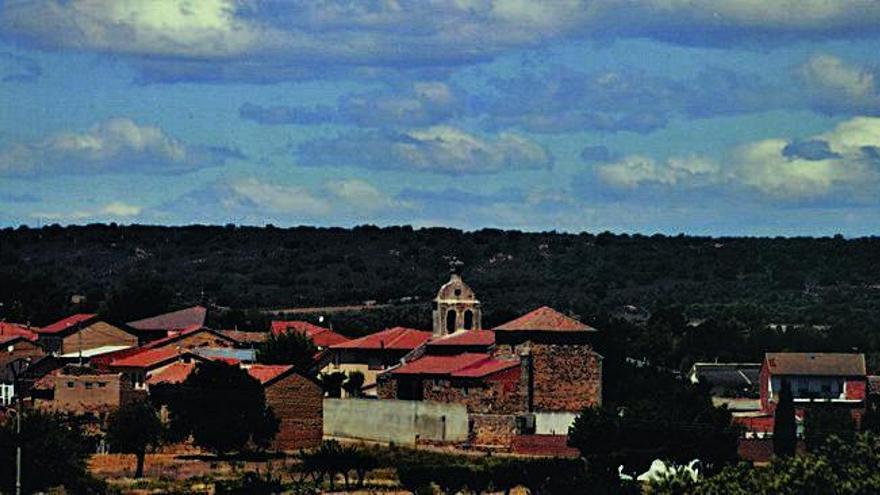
[742,117]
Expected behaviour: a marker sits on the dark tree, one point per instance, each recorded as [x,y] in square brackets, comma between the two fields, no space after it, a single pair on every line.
[137,296]
[784,423]
[289,348]
[659,417]
[823,420]
[133,428]
[223,408]
[54,453]
[354,384]
[332,383]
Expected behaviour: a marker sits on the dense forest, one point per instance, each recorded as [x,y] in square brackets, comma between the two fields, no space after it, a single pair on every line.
[653,291]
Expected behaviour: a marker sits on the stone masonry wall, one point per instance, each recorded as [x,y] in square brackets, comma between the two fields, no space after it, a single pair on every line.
[567,378]
[500,393]
[492,429]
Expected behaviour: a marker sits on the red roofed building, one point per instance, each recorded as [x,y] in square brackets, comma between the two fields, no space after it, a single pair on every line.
[17,329]
[83,332]
[158,326]
[566,372]
[373,353]
[320,336]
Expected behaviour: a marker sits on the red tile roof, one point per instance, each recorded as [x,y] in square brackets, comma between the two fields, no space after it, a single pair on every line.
[466,338]
[545,319]
[17,330]
[466,365]
[64,324]
[320,336]
[267,372]
[174,320]
[245,337]
[174,373]
[816,363]
[149,358]
[397,338]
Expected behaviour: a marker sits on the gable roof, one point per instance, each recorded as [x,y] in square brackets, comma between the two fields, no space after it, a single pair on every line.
[815,363]
[465,338]
[245,337]
[152,358]
[545,319]
[466,365]
[266,373]
[320,336]
[174,320]
[8,329]
[173,373]
[66,323]
[397,338]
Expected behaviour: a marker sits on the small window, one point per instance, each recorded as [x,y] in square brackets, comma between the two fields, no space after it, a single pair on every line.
[457,292]
[89,385]
[102,385]
[465,391]
[70,384]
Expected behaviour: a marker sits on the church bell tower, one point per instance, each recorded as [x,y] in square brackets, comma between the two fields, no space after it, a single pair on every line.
[456,307]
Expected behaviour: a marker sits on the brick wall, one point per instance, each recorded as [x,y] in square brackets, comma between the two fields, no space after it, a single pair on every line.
[492,429]
[499,393]
[97,334]
[298,404]
[90,393]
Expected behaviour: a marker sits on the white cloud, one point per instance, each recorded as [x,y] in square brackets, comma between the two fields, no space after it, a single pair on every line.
[635,170]
[836,85]
[440,149]
[852,164]
[380,33]
[109,211]
[255,194]
[114,145]
[359,194]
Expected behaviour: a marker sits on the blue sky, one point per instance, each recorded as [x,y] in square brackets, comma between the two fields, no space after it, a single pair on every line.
[741,117]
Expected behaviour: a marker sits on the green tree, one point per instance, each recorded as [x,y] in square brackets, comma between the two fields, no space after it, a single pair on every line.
[354,384]
[823,420]
[223,408]
[54,453]
[133,428]
[784,423]
[289,348]
[332,383]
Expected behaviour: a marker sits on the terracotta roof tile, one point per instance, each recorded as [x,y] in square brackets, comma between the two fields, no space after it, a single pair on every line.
[65,323]
[466,338]
[149,358]
[174,320]
[17,330]
[545,319]
[320,336]
[397,338]
[267,372]
[173,373]
[466,365]
[818,363]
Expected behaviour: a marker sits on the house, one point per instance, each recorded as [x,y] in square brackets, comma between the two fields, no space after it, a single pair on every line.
[735,385]
[17,352]
[832,378]
[816,378]
[137,368]
[374,353]
[320,336]
[565,372]
[187,338]
[85,390]
[158,326]
[82,332]
[295,399]
[245,338]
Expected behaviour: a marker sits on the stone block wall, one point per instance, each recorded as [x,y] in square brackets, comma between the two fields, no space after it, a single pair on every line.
[498,430]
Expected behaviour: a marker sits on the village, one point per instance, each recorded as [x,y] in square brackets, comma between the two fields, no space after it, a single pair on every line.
[515,389]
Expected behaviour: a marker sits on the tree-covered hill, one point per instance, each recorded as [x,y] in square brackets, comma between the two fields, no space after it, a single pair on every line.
[136,270]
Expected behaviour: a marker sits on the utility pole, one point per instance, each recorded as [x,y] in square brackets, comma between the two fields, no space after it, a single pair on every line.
[16,369]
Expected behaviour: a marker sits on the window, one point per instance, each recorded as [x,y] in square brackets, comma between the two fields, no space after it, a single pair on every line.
[102,384]
[70,384]
[468,320]
[450,320]
[457,292]
[465,391]
[89,385]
